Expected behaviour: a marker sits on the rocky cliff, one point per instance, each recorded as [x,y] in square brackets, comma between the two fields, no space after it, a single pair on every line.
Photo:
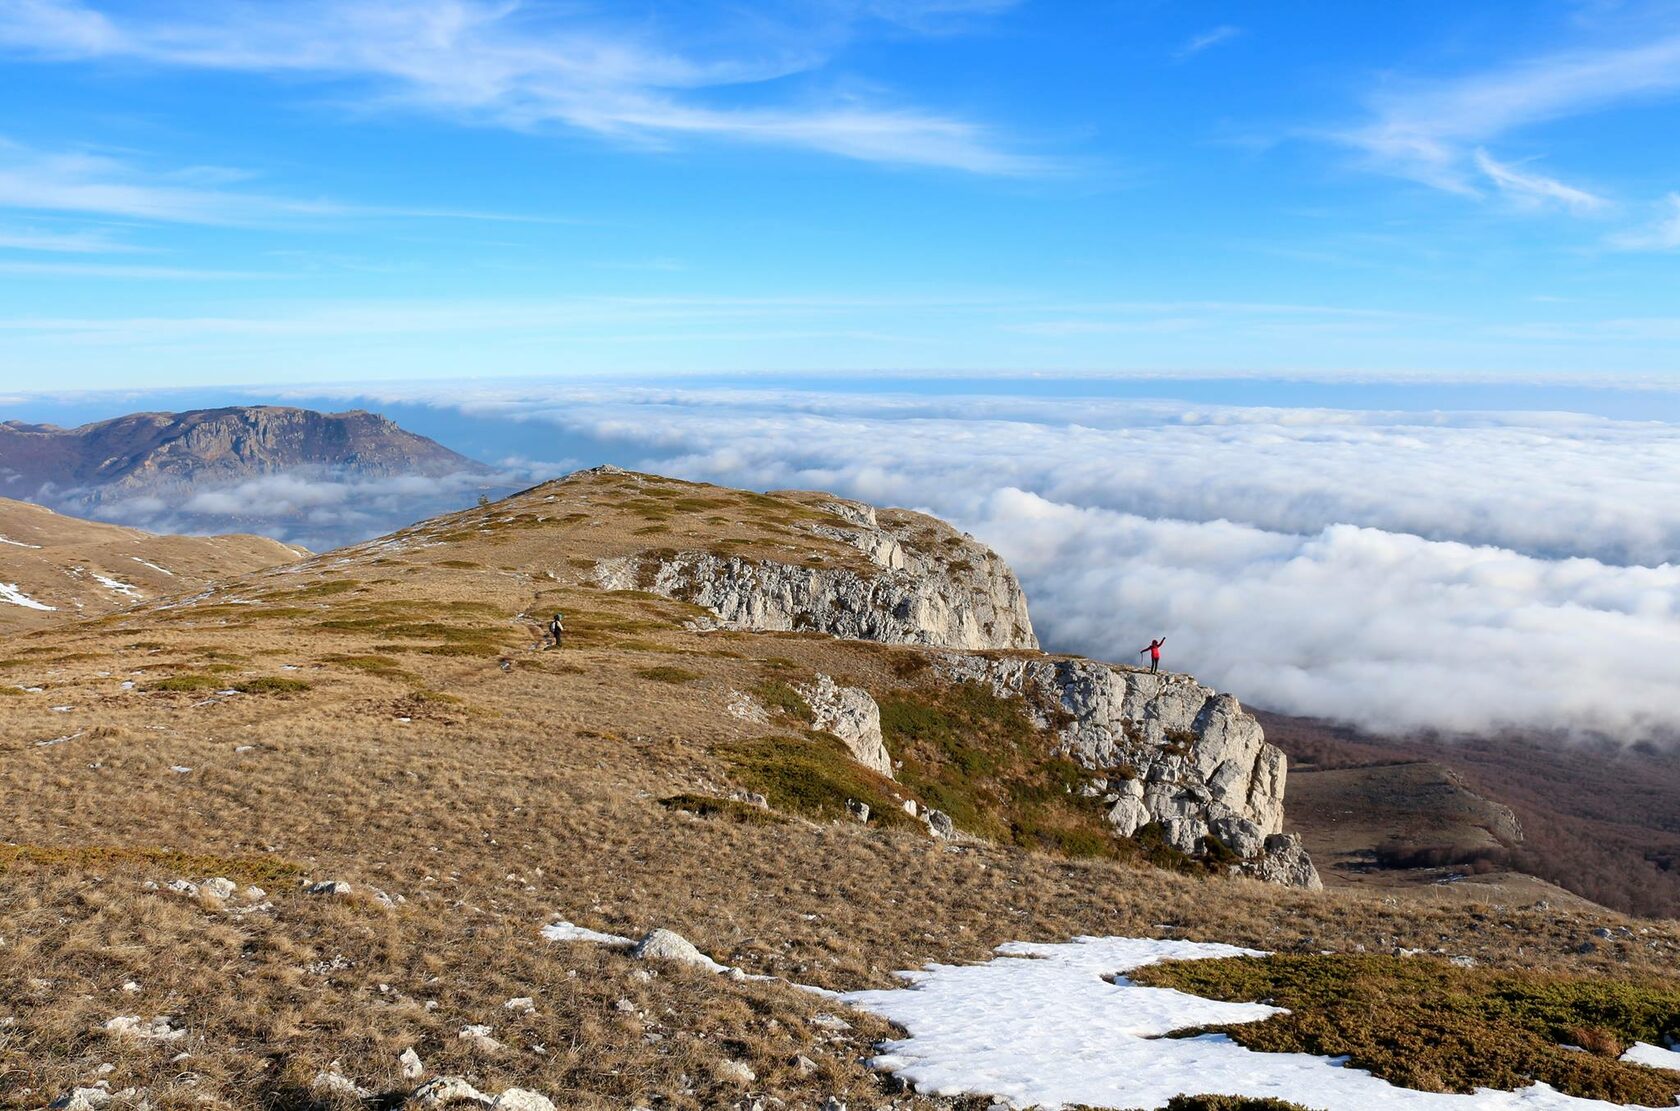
[1168,757]
[919,582]
[1165,751]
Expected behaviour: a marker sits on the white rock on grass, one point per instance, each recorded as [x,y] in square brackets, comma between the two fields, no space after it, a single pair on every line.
[219,887]
[332,1082]
[160,1029]
[412,1067]
[82,1099]
[328,887]
[480,1039]
[522,1099]
[667,945]
[737,1072]
[446,1090]
[523,1005]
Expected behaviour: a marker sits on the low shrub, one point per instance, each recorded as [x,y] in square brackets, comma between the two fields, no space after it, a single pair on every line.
[1428,1024]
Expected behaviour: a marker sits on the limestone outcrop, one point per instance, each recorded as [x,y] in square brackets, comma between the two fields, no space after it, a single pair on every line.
[850,714]
[920,582]
[1165,751]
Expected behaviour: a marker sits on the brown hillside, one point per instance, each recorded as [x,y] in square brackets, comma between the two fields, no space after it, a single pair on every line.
[1599,820]
[386,715]
[56,568]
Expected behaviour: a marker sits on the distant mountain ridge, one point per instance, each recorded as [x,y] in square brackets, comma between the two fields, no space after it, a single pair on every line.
[211,447]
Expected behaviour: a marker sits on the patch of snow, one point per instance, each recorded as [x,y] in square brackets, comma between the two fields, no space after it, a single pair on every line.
[153,566]
[567,931]
[1643,1053]
[10,593]
[1053,1025]
[117,585]
[18,543]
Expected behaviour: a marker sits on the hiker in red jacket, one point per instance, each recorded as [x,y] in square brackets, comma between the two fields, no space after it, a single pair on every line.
[1154,651]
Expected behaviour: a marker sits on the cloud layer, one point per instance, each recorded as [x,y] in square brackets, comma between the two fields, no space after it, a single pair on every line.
[1395,570]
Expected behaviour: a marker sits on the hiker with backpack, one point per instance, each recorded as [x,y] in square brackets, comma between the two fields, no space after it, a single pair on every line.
[1154,651]
[557,629]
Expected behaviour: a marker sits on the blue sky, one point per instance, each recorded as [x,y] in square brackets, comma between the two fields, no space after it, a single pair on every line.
[230,193]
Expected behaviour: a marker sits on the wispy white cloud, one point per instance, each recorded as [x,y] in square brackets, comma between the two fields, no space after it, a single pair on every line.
[86,242]
[1663,234]
[507,65]
[1429,131]
[1225,32]
[90,183]
[129,272]
[1536,189]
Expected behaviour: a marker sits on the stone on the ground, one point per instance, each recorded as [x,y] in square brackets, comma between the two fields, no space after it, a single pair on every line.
[737,1072]
[523,1005]
[82,1099]
[411,1065]
[160,1029]
[1285,861]
[522,1099]
[445,1090]
[329,887]
[850,714]
[333,1082]
[220,887]
[939,823]
[480,1039]
[667,945]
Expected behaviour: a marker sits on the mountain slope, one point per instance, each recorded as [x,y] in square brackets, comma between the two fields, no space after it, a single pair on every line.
[1597,819]
[210,447]
[386,716]
[55,568]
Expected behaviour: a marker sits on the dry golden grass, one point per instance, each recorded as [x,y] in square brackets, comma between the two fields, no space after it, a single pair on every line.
[500,786]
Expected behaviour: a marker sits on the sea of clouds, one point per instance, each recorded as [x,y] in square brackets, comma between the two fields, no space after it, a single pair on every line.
[1395,570]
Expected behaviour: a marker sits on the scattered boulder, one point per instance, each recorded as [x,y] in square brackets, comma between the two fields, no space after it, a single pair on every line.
[480,1039]
[332,1082]
[220,887]
[1285,860]
[850,714]
[668,945]
[160,1029]
[445,1090]
[83,1099]
[736,1072]
[411,1065]
[521,1099]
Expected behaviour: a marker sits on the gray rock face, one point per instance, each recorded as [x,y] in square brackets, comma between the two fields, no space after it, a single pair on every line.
[851,715]
[1174,752]
[927,584]
[1285,861]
